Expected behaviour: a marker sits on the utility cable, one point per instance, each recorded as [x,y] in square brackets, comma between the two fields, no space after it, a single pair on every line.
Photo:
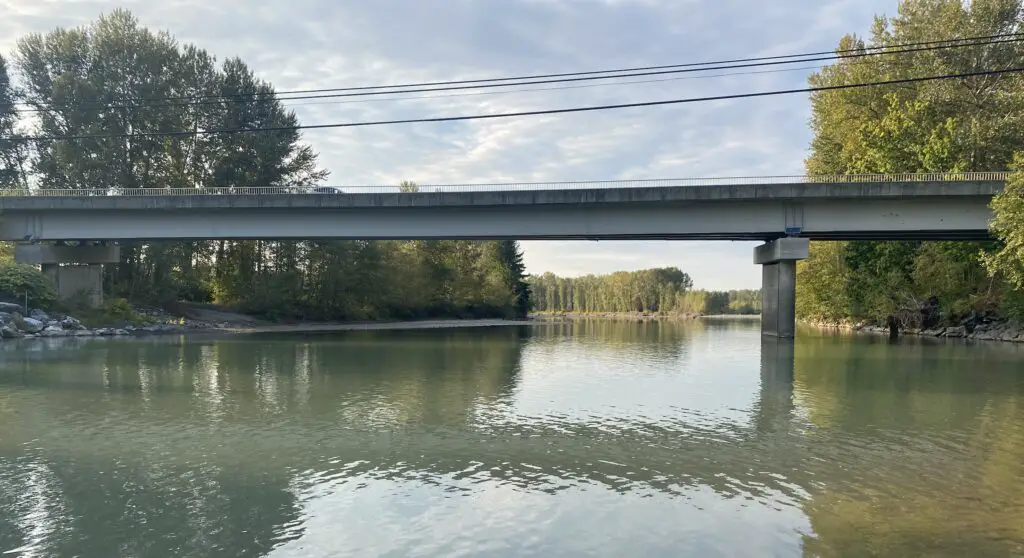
[274,97]
[517,114]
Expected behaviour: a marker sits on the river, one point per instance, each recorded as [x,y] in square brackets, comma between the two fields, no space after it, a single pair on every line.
[578,439]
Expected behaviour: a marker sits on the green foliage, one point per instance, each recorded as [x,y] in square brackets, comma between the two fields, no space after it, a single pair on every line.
[974,124]
[661,290]
[19,281]
[113,313]
[14,154]
[407,186]
[1014,304]
[819,281]
[1008,225]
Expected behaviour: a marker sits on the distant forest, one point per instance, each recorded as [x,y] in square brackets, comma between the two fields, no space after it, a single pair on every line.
[661,290]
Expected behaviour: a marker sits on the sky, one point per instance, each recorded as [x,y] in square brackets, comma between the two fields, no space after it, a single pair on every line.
[311,44]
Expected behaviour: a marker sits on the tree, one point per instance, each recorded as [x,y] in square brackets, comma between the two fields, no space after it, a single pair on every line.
[660,290]
[14,152]
[970,124]
[1008,225]
[511,258]
[407,186]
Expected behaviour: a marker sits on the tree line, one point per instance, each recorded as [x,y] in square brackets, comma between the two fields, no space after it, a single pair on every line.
[102,79]
[969,124]
[661,290]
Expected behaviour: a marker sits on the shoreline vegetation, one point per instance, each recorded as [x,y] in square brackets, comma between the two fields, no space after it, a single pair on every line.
[934,288]
[636,316]
[972,329]
[661,291]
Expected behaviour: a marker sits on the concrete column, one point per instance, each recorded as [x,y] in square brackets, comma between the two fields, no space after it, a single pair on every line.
[778,284]
[76,271]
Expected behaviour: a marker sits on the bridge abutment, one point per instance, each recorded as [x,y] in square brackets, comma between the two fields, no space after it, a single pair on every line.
[778,284]
[76,271]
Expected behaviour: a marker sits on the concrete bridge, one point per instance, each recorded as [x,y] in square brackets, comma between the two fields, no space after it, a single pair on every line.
[784,212]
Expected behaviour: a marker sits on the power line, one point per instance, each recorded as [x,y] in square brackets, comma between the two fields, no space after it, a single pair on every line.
[519,114]
[473,94]
[839,52]
[559,88]
[680,68]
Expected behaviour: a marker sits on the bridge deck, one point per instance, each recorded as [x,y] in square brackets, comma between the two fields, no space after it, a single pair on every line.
[880,210]
[250,198]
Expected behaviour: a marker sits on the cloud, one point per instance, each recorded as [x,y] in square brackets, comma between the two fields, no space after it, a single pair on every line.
[319,43]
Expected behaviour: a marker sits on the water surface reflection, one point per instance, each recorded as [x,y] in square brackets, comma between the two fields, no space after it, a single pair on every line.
[562,439]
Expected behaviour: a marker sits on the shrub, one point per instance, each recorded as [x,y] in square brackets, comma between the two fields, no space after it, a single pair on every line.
[1013,303]
[17,280]
[114,312]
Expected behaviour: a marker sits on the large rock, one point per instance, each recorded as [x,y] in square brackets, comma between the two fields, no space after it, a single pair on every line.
[959,331]
[32,325]
[9,307]
[71,324]
[53,331]
[37,314]
[9,332]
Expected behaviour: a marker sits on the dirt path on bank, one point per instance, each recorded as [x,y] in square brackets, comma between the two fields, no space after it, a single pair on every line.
[372,326]
[219,316]
[234,322]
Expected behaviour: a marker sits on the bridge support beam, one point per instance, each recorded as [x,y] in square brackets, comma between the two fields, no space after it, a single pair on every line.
[778,284]
[76,271]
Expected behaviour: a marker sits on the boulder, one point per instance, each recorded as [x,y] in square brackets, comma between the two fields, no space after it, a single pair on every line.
[37,314]
[71,324]
[9,332]
[10,307]
[53,331]
[986,335]
[959,331]
[32,325]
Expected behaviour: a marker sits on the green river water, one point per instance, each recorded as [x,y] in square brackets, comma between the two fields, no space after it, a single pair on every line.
[589,438]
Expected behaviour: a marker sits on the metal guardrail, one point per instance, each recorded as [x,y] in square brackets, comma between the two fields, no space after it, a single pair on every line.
[517,186]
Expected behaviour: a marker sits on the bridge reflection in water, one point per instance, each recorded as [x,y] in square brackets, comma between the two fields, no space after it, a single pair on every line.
[247,445]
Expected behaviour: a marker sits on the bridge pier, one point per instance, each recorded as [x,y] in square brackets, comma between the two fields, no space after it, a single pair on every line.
[75,270]
[778,284]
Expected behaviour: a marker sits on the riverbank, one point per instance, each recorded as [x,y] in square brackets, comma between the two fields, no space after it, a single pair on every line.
[975,329]
[15,323]
[636,316]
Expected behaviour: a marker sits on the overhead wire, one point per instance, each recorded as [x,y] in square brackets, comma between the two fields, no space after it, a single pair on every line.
[680,68]
[558,88]
[836,52]
[817,89]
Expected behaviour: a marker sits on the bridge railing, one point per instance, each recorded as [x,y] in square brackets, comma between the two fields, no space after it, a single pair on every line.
[516,186]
